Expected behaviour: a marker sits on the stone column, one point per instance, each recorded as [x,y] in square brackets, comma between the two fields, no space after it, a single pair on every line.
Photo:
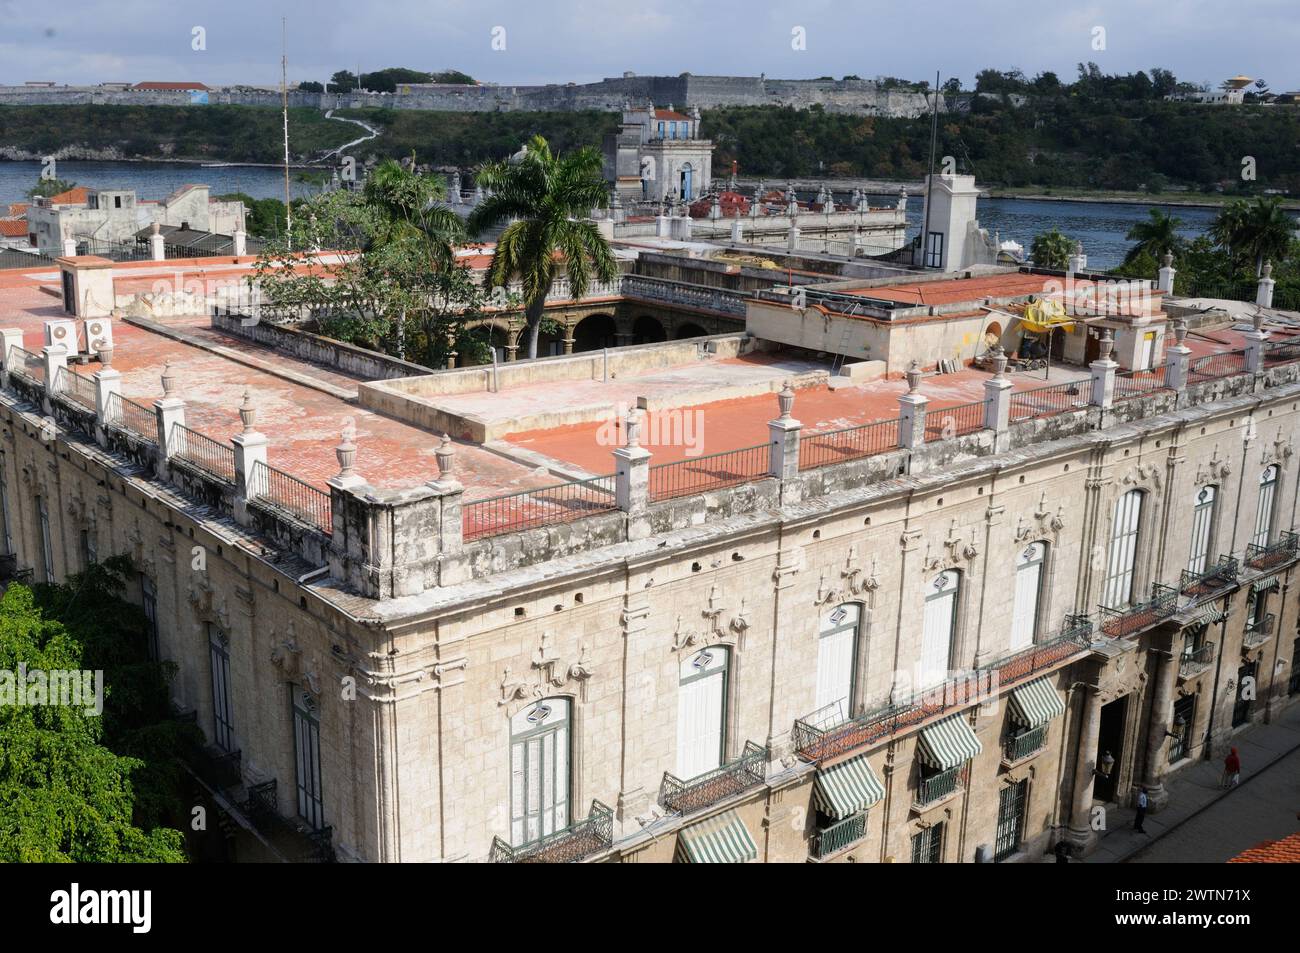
[1255,346]
[69,248]
[157,251]
[250,450]
[108,381]
[452,568]
[56,359]
[1080,833]
[632,479]
[997,397]
[1264,293]
[1177,359]
[792,239]
[1103,373]
[1162,701]
[911,411]
[170,411]
[783,438]
[9,338]
[1078,260]
[1165,281]
[240,241]
[738,230]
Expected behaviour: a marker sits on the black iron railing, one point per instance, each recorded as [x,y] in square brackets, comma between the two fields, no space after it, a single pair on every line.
[75,387]
[1193,663]
[841,834]
[24,363]
[836,446]
[1128,620]
[575,842]
[1215,366]
[1222,575]
[271,486]
[211,456]
[1272,554]
[528,509]
[1050,400]
[931,789]
[1137,383]
[1258,632]
[711,472]
[695,794]
[947,422]
[134,418]
[1025,743]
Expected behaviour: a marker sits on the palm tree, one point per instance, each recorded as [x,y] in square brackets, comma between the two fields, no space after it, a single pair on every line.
[546,198]
[1052,250]
[1228,228]
[1157,235]
[1266,231]
[409,207]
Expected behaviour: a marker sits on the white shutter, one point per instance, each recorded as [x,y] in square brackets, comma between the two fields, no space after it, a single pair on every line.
[1264,514]
[1029,578]
[1118,588]
[700,702]
[1202,518]
[936,635]
[539,770]
[836,655]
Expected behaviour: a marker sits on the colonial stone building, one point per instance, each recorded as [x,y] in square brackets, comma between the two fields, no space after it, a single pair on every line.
[933,619]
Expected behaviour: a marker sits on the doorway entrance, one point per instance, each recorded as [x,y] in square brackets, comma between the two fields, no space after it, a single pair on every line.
[1110,739]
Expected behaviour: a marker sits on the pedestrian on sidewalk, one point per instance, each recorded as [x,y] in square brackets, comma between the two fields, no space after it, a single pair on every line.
[1062,851]
[1232,769]
[1142,811]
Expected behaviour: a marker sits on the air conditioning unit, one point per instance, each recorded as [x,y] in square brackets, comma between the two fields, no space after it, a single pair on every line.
[99,335]
[62,331]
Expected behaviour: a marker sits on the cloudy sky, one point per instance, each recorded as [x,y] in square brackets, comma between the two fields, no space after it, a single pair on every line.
[77,41]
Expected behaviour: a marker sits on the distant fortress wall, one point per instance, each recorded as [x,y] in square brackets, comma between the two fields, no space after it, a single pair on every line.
[861,97]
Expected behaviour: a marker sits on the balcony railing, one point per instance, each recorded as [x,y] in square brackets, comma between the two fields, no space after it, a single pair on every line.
[711,472]
[1024,744]
[545,506]
[1272,554]
[1258,632]
[947,422]
[1195,662]
[574,843]
[199,450]
[298,844]
[851,443]
[831,840]
[818,737]
[271,486]
[1050,400]
[695,794]
[1118,623]
[1222,575]
[938,786]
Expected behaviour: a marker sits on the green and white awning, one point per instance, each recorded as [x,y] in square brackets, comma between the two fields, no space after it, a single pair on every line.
[1036,703]
[948,743]
[1265,584]
[1207,615]
[844,789]
[721,839]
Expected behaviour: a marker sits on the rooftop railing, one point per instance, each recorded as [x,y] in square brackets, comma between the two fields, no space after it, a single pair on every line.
[528,509]
[817,738]
[76,387]
[1050,400]
[1268,555]
[1216,366]
[271,486]
[947,422]
[711,472]
[576,842]
[1118,623]
[199,450]
[136,419]
[24,363]
[695,794]
[1138,383]
[852,443]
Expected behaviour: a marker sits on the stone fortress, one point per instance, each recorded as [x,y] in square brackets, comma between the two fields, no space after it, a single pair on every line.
[855,96]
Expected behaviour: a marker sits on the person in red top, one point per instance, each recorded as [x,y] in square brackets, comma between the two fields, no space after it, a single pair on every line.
[1231,769]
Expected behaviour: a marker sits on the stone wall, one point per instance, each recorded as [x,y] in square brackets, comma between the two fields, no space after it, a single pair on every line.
[348,358]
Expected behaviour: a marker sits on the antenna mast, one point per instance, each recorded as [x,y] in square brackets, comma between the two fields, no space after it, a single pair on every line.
[284,101]
[929,180]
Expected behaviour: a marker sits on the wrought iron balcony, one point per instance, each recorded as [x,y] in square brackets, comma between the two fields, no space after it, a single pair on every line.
[938,786]
[695,794]
[817,738]
[1024,744]
[833,839]
[10,571]
[1222,575]
[297,842]
[1272,554]
[1118,623]
[1197,661]
[1258,632]
[574,843]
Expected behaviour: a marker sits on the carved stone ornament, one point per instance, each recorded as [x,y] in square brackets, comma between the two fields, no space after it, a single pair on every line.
[1278,450]
[1143,475]
[548,672]
[208,606]
[1213,472]
[950,552]
[714,629]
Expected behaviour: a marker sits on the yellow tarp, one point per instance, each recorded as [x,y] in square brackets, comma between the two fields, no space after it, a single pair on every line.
[1045,314]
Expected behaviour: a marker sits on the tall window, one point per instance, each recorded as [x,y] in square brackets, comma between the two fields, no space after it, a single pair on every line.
[1011,819]
[47,544]
[927,845]
[223,720]
[934,250]
[1245,693]
[1184,717]
[1029,583]
[149,601]
[4,509]
[540,779]
[1118,587]
[1264,514]
[837,654]
[1202,520]
[938,624]
[701,712]
[306,750]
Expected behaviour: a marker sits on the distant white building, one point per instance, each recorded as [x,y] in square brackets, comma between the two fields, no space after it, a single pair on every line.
[1231,92]
[659,155]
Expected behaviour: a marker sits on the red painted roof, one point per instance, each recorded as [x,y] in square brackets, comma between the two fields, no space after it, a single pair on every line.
[670,114]
[78,196]
[1284,851]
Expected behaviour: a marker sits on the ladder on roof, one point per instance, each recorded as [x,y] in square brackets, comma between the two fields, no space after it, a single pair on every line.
[838,361]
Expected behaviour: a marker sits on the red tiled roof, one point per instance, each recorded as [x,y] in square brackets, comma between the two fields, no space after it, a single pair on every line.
[13,227]
[1284,851]
[166,86]
[17,209]
[670,114]
[78,196]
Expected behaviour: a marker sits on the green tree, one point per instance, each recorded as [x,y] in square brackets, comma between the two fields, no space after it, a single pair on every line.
[342,82]
[1157,235]
[44,188]
[1052,250]
[1266,231]
[64,795]
[546,198]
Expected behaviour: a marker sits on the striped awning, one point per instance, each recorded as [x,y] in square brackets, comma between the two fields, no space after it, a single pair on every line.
[844,789]
[721,839]
[1265,584]
[1036,703]
[948,743]
[1208,615]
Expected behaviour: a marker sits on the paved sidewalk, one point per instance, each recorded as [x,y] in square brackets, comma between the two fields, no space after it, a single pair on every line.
[1196,787]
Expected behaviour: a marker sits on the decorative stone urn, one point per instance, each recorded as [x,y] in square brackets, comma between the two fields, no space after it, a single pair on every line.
[446,455]
[785,400]
[913,376]
[247,412]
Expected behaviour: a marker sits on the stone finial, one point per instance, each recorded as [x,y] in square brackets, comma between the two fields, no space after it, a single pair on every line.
[1168,259]
[168,379]
[247,412]
[1105,345]
[633,424]
[1267,271]
[1180,331]
[1258,321]
[999,357]
[106,355]
[1078,248]
[346,452]
[913,375]
[785,400]
[156,228]
[446,455]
